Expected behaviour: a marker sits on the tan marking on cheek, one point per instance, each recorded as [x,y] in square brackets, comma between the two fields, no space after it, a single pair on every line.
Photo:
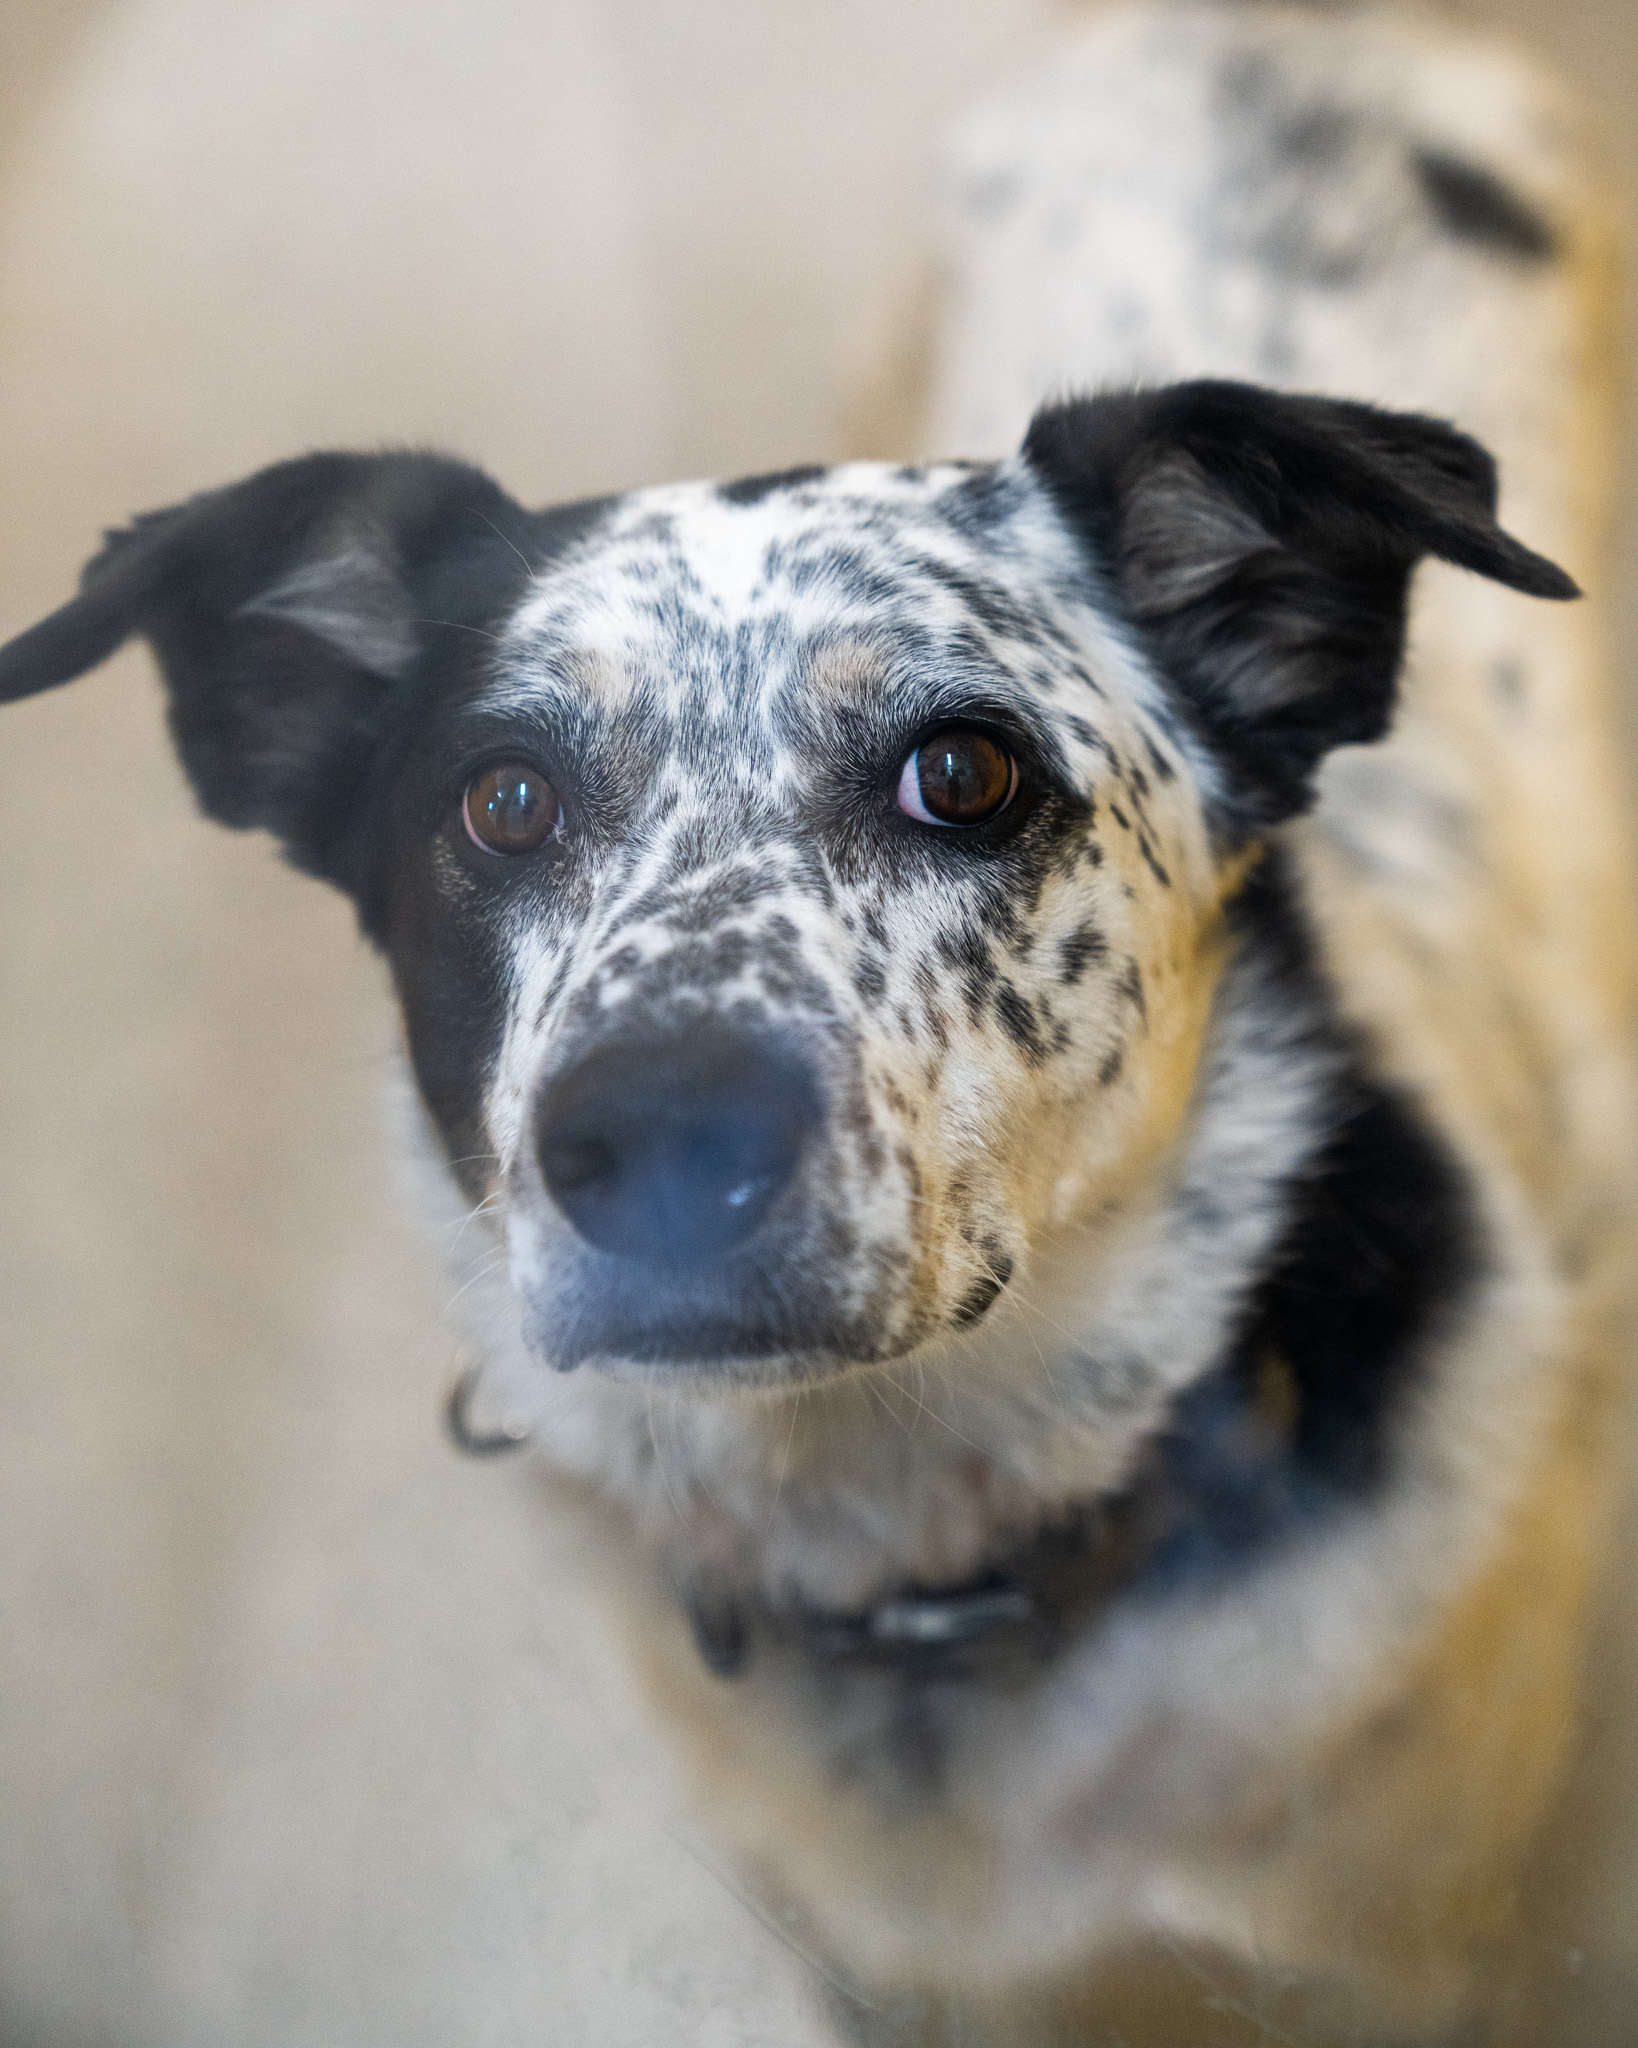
[1100,1141]
[1181,970]
[1060,1140]
[1124,1129]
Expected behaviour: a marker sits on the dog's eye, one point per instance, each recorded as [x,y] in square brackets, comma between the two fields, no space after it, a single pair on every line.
[511,808]
[957,778]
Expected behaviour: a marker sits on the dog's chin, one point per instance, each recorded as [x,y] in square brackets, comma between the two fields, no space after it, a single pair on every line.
[709,1355]
[764,1372]
[718,1352]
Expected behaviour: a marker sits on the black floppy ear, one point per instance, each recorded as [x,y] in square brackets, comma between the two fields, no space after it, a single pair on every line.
[294,616]
[1263,545]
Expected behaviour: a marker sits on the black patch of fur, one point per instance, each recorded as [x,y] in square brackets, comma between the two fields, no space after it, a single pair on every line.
[967,951]
[751,490]
[1017,1019]
[1381,1247]
[1473,205]
[277,726]
[1262,545]
[1085,947]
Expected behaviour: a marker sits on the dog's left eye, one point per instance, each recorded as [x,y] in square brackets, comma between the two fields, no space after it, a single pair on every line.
[958,777]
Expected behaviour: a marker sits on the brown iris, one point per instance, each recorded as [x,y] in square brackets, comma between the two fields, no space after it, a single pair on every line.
[958,777]
[510,808]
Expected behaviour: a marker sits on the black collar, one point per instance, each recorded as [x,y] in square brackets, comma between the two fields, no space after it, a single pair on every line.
[1008,1618]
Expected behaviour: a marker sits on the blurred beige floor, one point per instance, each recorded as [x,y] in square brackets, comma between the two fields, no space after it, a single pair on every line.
[308,1734]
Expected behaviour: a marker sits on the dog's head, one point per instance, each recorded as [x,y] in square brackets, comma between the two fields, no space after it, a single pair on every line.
[805,894]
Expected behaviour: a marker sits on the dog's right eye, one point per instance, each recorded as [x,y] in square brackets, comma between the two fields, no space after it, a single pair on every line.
[510,809]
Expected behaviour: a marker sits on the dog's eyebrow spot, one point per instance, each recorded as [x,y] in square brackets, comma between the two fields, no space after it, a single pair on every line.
[600,677]
[845,671]
[1473,205]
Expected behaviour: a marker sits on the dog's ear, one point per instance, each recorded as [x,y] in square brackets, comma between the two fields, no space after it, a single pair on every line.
[1262,546]
[294,616]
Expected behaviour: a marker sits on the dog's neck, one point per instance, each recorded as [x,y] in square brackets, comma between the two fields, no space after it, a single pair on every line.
[917,1473]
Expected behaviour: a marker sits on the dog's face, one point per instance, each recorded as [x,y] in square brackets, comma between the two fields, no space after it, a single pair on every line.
[836,880]
[805,895]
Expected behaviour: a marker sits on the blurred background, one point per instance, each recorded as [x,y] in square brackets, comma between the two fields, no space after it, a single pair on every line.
[308,1733]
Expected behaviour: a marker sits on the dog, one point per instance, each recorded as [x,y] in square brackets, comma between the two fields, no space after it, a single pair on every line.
[1065,1180]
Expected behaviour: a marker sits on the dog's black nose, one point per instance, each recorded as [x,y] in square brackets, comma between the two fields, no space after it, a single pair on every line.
[673,1150]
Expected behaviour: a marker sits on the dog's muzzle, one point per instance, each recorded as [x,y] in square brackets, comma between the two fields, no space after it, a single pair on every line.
[698,1206]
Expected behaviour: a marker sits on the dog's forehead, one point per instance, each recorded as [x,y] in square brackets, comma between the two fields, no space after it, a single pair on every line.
[711,602]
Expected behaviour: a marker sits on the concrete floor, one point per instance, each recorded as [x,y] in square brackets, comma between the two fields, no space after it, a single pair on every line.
[307,1733]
